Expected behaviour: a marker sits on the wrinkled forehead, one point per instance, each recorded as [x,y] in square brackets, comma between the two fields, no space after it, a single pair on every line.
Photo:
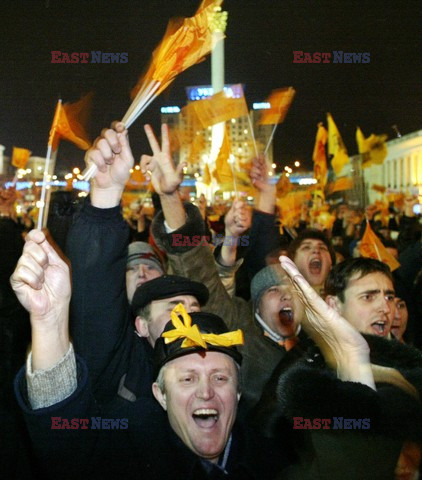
[203,361]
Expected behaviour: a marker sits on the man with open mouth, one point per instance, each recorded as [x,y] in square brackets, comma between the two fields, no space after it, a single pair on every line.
[362,291]
[314,256]
[198,384]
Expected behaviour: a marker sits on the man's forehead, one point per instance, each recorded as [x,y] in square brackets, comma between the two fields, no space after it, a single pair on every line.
[211,360]
[369,281]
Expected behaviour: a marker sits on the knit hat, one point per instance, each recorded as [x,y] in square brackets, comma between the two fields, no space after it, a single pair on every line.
[142,252]
[195,332]
[167,286]
[267,277]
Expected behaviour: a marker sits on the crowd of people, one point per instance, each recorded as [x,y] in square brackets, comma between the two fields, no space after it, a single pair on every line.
[211,341]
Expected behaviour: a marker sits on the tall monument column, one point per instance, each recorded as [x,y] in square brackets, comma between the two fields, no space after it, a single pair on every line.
[218,24]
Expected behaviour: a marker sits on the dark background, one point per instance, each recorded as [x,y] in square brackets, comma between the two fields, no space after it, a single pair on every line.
[261,36]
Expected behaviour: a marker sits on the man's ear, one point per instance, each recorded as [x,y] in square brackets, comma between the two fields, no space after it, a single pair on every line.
[159,395]
[141,327]
[334,302]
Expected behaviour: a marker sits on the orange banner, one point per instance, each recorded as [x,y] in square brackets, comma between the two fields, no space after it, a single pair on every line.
[20,157]
[220,107]
[372,247]
[68,123]
[280,101]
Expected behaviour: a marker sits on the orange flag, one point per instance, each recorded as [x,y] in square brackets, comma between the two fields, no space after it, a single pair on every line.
[206,177]
[283,186]
[186,42]
[319,157]
[197,147]
[372,247]
[336,147]
[280,101]
[290,206]
[223,172]
[20,157]
[68,123]
[342,183]
[221,107]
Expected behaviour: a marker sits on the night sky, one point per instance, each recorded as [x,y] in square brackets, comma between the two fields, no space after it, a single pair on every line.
[261,38]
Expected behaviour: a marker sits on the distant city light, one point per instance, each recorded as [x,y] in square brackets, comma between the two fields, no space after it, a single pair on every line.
[76,170]
[307,181]
[173,109]
[297,163]
[205,91]
[273,165]
[261,105]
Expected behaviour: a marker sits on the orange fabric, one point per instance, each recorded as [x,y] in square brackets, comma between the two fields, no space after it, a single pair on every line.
[68,123]
[223,172]
[372,247]
[287,343]
[186,42]
[319,156]
[336,147]
[342,183]
[280,101]
[20,157]
[219,108]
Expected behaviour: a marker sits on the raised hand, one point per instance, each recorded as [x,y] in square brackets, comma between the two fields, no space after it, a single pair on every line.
[41,279]
[113,157]
[41,282]
[165,177]
[260,179]
[259,174]
[237,219]
[344,349]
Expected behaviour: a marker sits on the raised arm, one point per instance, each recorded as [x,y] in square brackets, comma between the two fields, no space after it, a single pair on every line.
[165,177]
[97,248]
[41,282]
[344,349]
[113,157]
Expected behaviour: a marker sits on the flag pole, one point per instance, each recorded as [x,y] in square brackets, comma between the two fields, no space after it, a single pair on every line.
[271,138]
[40,223]
[41,219]
[231,161]
[253,135]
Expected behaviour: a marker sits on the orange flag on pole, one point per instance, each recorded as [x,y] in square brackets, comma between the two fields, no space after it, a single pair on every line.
[68,123]
[336,147]
[372,247]
[280,101]
[373,149]
[340,184]
[319,157]
[223,172]
[186,41]
[221,107]
[20,157]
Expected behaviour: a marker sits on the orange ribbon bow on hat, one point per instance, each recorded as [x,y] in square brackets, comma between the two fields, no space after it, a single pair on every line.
[193,337]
